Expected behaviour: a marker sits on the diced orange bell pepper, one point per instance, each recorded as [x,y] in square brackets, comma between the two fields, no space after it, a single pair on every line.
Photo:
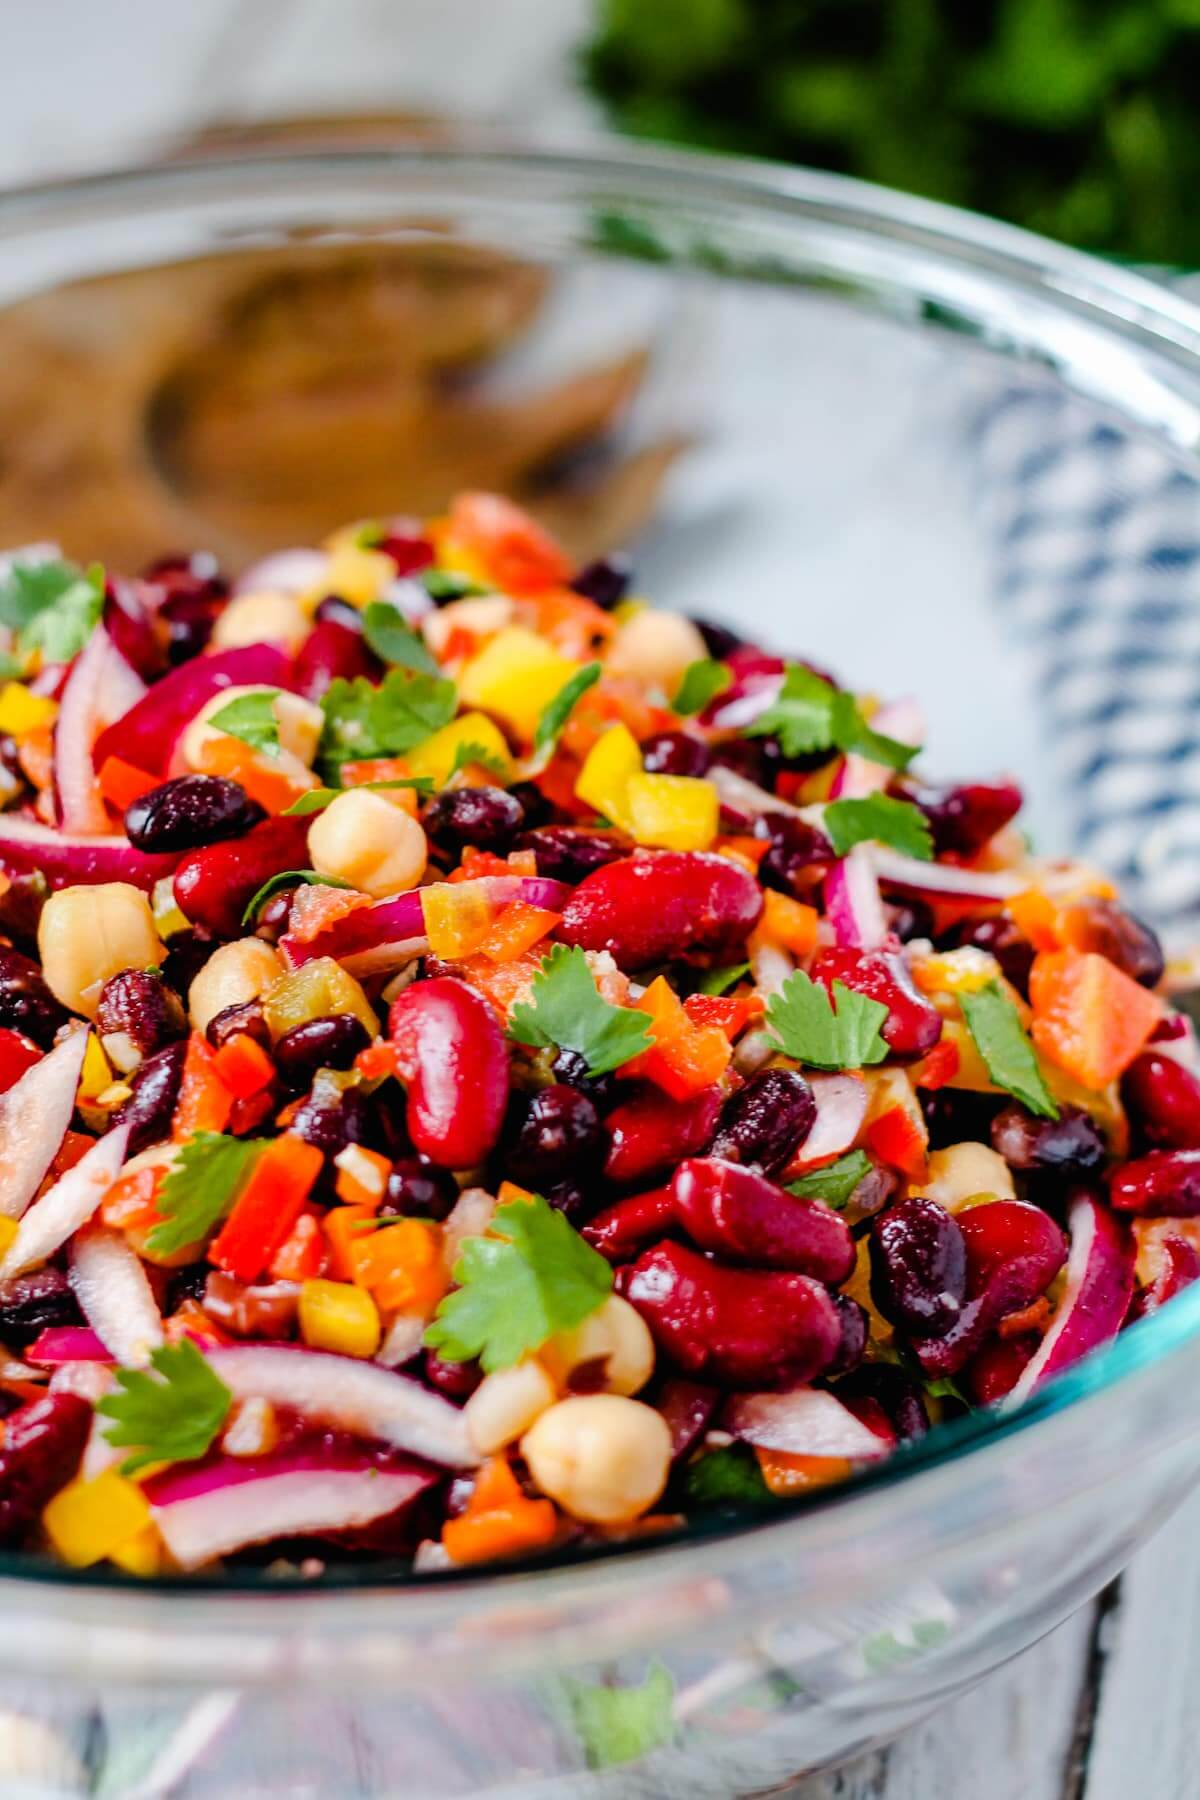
[401,1265]
[274,789]
[121,782]
[73,1149]
[343,1226]
[129,1204]
[939,1067]
[517,929]
[787,923]
[684,1057]
[786,1473]
[204,1102]
[667,1019]
[730,1013]
[376,768]
[572,623]
[243,1065]
[1089,1017]
[896,1140]
[499,1520]
[508,1191]
[268,1207]
[1036,917]
[302,1256]
[519,556]
[362,1176]
[248,1113]
[35,753]
[749,851]
[476,863]
[557,782]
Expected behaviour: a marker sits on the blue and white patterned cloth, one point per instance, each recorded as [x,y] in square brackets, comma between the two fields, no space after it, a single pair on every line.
[1096,542]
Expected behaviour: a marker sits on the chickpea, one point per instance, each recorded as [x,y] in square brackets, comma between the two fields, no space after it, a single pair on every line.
[506,1403]
[234,974]
[87,935]
[300,723]
[615,1335]
[602,1457]
[363,839]
[261,619]
[656,647]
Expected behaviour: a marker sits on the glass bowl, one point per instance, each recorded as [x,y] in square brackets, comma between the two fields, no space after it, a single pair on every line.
[781,385]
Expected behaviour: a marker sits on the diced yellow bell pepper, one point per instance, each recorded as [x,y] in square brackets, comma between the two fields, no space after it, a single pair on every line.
[455,557]
[21,711]
[97,1071]
[142,1555]
[962,971]
[336,1315]
[354,574]
[458,916]
[87,1520]
[435,757]
[314,991]
[673,812]
[611,764]
[515,675]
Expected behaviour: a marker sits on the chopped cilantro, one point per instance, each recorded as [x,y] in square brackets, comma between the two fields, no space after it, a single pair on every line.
[719,981]
[473,756]
[1008,1055]
[557,711]
[251,717]
[285,878]
[836,1181]
[445,584]
[809,714]
[317,799]
[565,1011]
[54,606]
[363,721]
[200,1188]
[729,1477]
[852,733]
[392,638]
[702,682]
[878,819]
[838,1034]
[171,1416]
[619,1724]
[530,1276]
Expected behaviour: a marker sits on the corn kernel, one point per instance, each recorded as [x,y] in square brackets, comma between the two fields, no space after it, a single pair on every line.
[21,711]
[604,779]
[8,1231]
[514,676]
[97,1072]
[353,573]
[141,1555]
[435,757]
[335,1315]
[87,1520]
[672,812]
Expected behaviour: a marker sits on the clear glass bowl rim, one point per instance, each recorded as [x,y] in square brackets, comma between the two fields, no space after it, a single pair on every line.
[1127,306]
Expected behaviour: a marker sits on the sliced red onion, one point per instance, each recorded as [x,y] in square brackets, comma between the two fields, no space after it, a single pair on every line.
[147,734]
[67,1344]
[853,904]
[26,846]
[841,1108]
[372,939]
[359,1397]
[100,688]
[404,1338]
[1095,1297]
[804,1421]
[945,881]
[114,1295]
[283,572]
[66,1206]
[748,696]
[35,1115]
[90,1380]
[738,795]
[208,1512]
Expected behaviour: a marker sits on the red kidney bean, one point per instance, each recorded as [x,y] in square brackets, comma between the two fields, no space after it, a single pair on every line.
[26,1003]
[453,1060]
[854,1325]
[1176,1266]
[155,1089]
[457,1380]
[1163,1099]
[1163,1183]
[675,753]
[571,852]
[1071,1144]
[742,1328]
[190,811]
[642,908]
[214,886]
[997,1366]
[407,548]
[737,1213]
[128,623]
[766,1121]
[797,850]
[1105,927]
[918,1266]
[487,817]
[139,1006]
[43,1443]
[332,650]
[687,1407]
[620,1231]
[331,1042]
[964,818]
[1014,1251]
[650,1132]
[912,1026]
[895,1391]
[869,1412]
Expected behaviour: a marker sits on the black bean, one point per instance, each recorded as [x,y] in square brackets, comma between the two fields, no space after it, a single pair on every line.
[416,1189]
[1072,1144]
[190,811]
[26,1003]
[331,1042]
[560,1134]
[569,852]
[918,1266]
[150,1106]
[487,817]
[606,581]
[244,1020]
[767,1120]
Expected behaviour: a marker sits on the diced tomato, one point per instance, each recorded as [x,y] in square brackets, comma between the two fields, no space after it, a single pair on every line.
[520,557]
[896,1140]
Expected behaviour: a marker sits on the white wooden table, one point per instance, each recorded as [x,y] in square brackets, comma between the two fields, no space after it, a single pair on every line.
[1105,1707]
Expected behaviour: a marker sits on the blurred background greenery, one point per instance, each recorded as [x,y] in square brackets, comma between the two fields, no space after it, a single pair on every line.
[1077,118]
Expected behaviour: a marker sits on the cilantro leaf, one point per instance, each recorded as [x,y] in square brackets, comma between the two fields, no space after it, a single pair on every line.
[251,717]
[565,1011]
[174,1418]
[800,716]
[838,1034]
[54,606]
[445,584]
[473,756]
[557,711]
[535,1277]
[200,1188]
[729,1477]
[393,639]
[836,1181]
[317,799]
[619,1724]
[363,721]
[719,981]
[284,878]
[702,682]
[1008,1055]
[851,732]
[878,819]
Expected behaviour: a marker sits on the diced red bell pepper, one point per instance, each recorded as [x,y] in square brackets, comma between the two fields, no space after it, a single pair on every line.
[268,1207]
[17,1054]
[121,782]
[204,1102]
[243,1065]
[896,1140]
[729,1013]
